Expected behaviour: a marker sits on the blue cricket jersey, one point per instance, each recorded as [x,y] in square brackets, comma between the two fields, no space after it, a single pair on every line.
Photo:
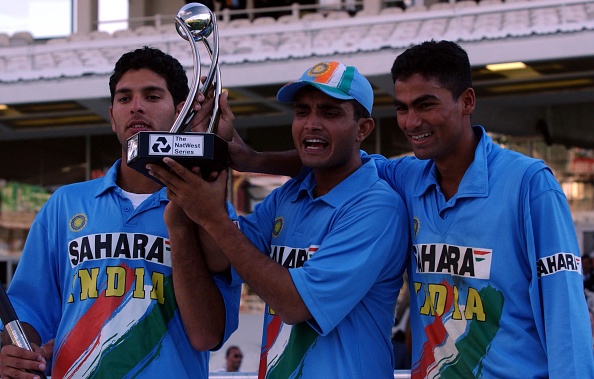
[96,275]
[495,271]
[346,254]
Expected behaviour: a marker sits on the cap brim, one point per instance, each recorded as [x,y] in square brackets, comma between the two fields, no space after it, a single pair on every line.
[287,93]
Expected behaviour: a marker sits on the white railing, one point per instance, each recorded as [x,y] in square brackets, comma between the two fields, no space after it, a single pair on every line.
[74,57]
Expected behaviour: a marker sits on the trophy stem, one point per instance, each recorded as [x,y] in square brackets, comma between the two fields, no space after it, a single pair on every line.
[214,55]
[187,113]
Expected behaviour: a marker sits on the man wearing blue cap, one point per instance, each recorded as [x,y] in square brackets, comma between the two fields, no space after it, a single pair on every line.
[327,250]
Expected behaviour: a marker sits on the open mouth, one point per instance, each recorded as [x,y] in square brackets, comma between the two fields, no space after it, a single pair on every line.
[315,144]
[421,137]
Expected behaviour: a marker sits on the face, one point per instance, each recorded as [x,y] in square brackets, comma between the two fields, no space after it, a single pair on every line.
[141,102]
[325,133]
[234,359]
[434,123]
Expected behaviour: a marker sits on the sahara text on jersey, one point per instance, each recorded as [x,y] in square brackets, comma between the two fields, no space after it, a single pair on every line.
[466,261]
[120,245]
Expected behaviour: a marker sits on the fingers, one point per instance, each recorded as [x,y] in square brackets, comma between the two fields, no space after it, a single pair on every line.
[15,361]
[226,125]
[161,174]
[48,348]
[177,178]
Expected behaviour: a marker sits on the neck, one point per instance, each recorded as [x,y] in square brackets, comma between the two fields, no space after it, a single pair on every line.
[133,181]
[452,170]
[327,179]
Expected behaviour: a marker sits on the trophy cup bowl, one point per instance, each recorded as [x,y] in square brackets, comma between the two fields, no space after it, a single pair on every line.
[195,23]
[199,20]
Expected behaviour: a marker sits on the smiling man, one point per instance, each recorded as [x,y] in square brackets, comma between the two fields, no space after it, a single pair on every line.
[326,251]
[494,269]
[495,277]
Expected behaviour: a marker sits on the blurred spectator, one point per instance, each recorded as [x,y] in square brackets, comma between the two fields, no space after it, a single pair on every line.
[587,273]
[233,359]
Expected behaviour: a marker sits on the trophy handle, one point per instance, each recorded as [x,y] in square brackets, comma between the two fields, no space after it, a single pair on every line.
[187,112]
[214,57]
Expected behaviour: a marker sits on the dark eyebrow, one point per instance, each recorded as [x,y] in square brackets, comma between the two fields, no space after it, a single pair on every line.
[417,101]
[144,89]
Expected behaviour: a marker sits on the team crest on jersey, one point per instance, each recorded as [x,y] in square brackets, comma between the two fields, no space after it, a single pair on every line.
[78,222]
[416,225]
[278,226]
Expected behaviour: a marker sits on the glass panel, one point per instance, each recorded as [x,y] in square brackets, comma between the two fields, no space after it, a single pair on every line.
[42,18]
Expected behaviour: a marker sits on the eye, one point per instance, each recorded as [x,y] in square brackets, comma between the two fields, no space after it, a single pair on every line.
[401,109]
[299,112]
[426,105]
[122,99]
[332,114]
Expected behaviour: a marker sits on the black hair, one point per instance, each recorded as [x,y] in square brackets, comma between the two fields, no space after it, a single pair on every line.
[444,61]
[231,348]
[155,60]
[359,110]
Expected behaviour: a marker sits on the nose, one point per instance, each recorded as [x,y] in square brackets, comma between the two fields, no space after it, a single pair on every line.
[409,120]
[136,105]
[313,122]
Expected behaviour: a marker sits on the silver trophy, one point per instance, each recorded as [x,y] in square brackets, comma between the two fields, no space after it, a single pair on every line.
[194,22]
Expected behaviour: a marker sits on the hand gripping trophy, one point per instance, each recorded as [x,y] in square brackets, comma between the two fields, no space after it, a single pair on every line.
[13,326]
[194,22]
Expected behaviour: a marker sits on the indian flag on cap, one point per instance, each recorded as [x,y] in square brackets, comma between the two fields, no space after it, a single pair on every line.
[333,74]
[335,79]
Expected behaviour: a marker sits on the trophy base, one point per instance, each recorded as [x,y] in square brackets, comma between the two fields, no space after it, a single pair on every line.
[205,150]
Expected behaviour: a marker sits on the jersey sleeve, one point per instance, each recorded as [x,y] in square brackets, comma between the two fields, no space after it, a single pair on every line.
[229,285]
[556,293]
[231,293]
[32,290]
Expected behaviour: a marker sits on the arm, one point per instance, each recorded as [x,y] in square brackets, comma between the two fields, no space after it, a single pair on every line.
[15,360]
[242,157]
[215,260]
[204,203]
[558,298]
[199,300]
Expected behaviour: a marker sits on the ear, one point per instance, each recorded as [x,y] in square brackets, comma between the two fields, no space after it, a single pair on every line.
[178,108]
[365,127]
[113,129]
[468,101]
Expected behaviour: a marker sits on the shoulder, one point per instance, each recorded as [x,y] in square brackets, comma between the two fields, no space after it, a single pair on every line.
[72,193]
[513,162]
[531,175]
[382,191]
[78,188]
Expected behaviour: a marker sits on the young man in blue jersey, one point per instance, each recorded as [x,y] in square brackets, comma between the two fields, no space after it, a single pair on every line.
[105,276]
[495,275]
[495,269]
[326,251]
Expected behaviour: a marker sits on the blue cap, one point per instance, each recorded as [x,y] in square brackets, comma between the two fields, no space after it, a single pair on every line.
[336,80]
